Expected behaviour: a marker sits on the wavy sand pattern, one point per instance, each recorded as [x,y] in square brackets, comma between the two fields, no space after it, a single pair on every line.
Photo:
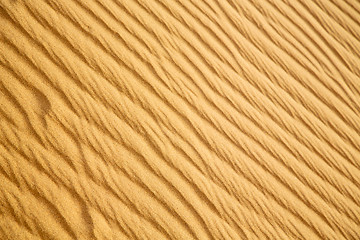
[186,119]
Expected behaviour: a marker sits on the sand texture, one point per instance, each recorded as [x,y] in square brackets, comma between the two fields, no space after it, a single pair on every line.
[180,119]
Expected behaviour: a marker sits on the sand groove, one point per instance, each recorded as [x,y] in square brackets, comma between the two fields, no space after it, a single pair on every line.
[188,119]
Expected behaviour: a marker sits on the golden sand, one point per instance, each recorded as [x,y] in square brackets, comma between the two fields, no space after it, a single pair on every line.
[180,119]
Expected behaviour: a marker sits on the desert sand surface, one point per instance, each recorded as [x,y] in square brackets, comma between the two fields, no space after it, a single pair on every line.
[180,119]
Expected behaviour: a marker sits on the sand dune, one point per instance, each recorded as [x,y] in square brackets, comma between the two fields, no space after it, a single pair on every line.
[187,119]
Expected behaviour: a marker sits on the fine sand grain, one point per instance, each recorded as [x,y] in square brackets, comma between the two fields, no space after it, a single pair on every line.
[180,119]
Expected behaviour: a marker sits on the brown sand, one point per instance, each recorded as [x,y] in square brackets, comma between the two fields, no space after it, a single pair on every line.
[179,119]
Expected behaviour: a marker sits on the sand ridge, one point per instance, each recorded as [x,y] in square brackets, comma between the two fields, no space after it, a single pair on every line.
[188,119]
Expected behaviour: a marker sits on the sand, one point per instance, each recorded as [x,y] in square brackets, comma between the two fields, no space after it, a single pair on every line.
[186,119]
